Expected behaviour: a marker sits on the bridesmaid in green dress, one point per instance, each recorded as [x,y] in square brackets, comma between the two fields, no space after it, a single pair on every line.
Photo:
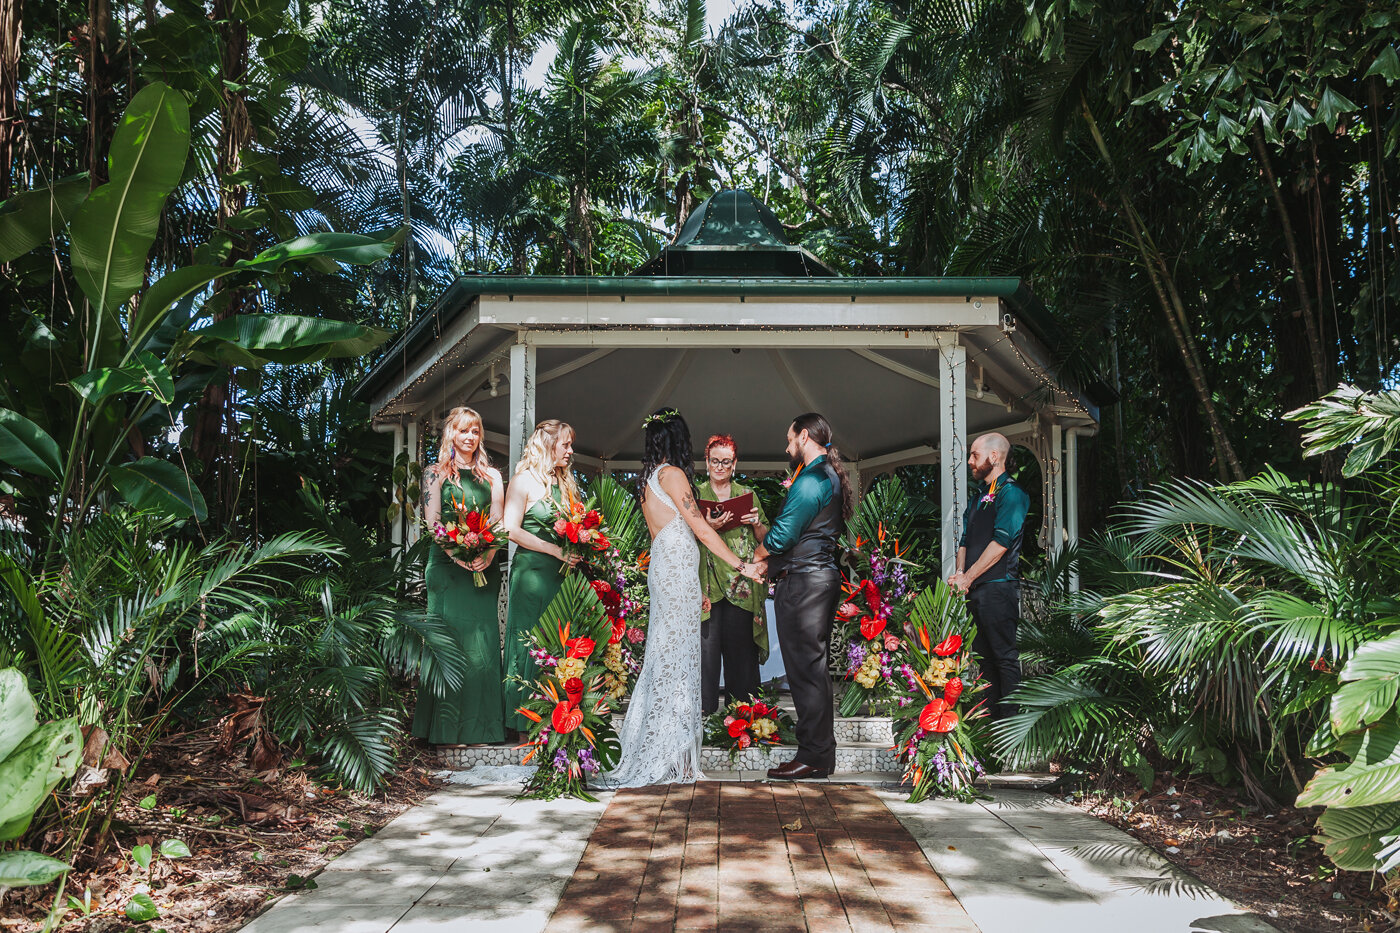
[474,713]
[543,479]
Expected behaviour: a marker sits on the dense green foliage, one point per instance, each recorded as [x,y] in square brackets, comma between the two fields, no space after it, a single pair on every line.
[213,211]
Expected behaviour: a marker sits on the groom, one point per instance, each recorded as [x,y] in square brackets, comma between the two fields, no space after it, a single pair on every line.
[800,550]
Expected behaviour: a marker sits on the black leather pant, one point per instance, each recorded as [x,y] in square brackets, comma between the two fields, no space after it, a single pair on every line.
[805,605]
[996,610]
[727,635]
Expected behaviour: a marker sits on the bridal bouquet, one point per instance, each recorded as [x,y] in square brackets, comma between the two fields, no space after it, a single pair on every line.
[467,535]
[743,723]
[939,728]
[572,737]
[581,531]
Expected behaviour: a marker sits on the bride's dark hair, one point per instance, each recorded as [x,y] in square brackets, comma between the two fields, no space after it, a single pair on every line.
[667,442]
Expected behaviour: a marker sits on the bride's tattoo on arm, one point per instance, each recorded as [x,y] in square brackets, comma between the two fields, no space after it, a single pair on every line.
[688,504]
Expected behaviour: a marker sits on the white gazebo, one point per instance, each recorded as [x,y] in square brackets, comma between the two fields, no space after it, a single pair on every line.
[741,331]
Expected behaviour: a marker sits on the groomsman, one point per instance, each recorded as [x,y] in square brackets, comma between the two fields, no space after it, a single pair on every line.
[800,549]
[988,570]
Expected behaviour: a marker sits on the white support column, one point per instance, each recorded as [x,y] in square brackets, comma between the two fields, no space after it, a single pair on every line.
[1071,472]
[1057,488]
[397,525]
[952,443]
[522,400]
[857,481]
[414,519]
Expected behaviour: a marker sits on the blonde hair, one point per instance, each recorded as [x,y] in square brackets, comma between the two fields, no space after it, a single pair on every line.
[538,458]
[458,421]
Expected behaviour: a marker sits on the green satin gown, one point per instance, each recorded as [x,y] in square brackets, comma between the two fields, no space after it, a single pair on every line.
[534,582]
[475,712]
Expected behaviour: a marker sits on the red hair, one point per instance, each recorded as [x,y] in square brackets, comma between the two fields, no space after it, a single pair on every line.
[721,440]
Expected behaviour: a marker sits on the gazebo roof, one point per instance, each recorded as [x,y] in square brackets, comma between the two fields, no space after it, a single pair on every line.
[734,234]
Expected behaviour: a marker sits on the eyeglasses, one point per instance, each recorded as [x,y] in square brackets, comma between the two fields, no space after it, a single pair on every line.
[721,463]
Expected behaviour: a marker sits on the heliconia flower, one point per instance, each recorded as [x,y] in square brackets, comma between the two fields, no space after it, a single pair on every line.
[952,690]
[580,647]
[566,719]
[948,646]
[870,627]
[847,611]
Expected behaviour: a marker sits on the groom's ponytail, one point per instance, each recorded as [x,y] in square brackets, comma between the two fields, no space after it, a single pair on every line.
[819,430]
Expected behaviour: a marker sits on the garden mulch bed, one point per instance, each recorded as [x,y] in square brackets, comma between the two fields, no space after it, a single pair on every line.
[252,836]
[1261,858]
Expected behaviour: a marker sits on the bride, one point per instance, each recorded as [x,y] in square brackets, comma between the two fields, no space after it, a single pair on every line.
[663,728]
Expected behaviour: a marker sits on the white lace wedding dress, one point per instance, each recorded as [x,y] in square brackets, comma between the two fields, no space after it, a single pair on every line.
[662,731]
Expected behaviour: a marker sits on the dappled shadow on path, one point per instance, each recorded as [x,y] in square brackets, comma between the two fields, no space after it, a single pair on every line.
[756,857]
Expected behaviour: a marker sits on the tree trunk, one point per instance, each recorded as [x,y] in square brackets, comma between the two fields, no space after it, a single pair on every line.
[1321,379]
[1173,308]
[215,435]
[11,125]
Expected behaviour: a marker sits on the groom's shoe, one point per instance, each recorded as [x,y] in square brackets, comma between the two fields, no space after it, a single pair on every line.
[796,771]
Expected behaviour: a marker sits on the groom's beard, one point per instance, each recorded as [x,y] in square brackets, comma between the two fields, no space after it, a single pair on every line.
[794,462]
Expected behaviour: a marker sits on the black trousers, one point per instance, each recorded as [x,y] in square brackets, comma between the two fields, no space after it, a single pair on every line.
[805,605]
[996,610]
[727,637]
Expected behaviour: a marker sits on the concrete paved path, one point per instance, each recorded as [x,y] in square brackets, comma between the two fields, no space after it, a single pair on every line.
[475,859]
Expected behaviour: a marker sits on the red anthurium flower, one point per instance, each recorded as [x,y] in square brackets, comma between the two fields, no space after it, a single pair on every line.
[737,728]
[948,646]
[619,628]
[571,531]
[847,611]
[938,716]
[871,592]
[566,719]
[580,647]
[488,537]
[871,628]
[953,690]
[573,689]
[601,543]
[453,533]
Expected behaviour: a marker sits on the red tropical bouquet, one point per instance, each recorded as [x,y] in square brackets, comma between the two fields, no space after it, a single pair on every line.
[581,531]
[467,535]
[744,723]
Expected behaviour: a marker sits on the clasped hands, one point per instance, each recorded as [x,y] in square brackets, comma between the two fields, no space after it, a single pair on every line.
[960,582]
[480,564]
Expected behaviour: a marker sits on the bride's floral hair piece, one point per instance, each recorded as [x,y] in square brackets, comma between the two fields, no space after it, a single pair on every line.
[660,417]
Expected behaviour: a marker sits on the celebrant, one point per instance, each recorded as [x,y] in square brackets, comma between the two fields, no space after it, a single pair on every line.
[734,623]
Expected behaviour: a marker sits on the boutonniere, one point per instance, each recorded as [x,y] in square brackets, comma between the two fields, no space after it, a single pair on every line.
[991,495]
[787,483]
